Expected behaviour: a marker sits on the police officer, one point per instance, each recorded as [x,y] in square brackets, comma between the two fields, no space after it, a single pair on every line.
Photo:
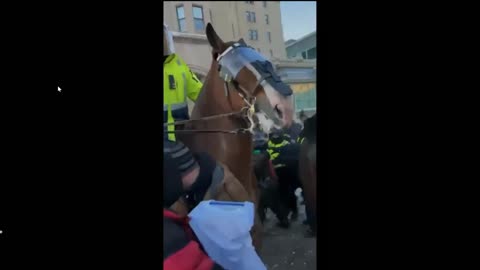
[179,82]
[278,140]
[282,153]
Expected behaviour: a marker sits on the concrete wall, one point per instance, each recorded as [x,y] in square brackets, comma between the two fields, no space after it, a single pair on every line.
[195,51]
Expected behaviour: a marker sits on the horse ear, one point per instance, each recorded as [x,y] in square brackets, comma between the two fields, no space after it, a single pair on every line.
[215,41]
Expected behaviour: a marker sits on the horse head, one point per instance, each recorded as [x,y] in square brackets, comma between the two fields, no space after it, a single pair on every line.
[252,75]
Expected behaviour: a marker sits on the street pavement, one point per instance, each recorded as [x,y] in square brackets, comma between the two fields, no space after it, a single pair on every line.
[288,248]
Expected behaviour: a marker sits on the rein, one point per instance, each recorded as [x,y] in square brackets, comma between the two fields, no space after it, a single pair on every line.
[247,113]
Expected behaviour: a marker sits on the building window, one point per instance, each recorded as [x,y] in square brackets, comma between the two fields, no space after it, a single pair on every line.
[306,100]
[264,4]
[312,53]
[181,18]
[271,53]
[266,19]
[249,2]
[211,17]
[251,16]
[269,37]
[198,18]
[253,34]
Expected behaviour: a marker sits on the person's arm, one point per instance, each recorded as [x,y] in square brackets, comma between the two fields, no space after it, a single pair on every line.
[194,85]
[185,172]
[181,253]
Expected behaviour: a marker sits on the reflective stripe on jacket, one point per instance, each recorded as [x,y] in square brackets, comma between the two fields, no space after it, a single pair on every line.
[179,82]
[274,151]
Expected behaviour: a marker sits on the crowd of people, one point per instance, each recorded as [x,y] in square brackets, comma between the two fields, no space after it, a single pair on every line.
[283,148]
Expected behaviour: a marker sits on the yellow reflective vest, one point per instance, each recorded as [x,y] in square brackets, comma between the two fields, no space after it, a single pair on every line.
[179,82]
[273,150]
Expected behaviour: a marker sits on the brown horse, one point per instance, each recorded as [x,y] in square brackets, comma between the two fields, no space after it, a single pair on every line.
[239,80]
[308,165]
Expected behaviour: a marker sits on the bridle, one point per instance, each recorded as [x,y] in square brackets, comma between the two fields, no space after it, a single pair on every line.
[246,112]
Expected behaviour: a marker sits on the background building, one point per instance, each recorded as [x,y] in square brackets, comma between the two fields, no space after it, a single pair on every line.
[305,47]
[257,22]
[304,81]
[301,75]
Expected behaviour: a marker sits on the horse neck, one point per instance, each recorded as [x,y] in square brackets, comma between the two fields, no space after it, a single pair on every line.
[212,99]
[234,150]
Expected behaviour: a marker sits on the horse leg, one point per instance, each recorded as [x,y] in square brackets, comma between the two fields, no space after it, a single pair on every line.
[257,233]
[261,205]
[279,208]
[257,228]
[284,205]
[293,206]
[293,198]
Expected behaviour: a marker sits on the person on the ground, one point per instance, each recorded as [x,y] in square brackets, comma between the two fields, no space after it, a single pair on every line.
[194,177]
[181,248]
[179,82]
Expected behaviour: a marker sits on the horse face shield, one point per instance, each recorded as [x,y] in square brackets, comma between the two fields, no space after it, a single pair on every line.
[276,103]
[239,56]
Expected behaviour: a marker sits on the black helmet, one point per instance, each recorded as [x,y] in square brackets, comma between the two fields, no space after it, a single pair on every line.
[276,133]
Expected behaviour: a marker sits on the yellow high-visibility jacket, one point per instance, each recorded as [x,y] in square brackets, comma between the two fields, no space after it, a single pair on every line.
[179,82]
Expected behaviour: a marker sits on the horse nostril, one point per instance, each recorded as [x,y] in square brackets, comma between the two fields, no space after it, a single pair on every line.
[279,112]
